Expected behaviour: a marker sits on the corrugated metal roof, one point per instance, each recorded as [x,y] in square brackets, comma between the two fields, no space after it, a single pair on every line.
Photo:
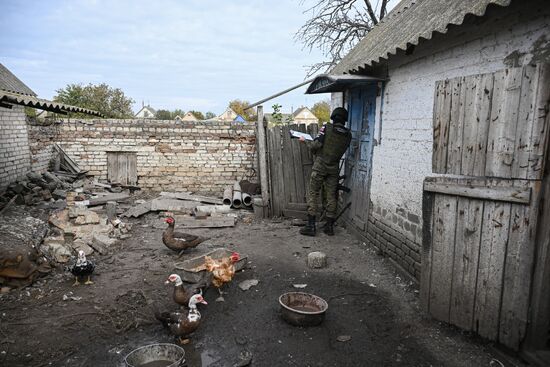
[43,104]
[406,24]
[10,83]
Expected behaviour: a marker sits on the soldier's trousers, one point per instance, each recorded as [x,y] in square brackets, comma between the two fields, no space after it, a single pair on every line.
[318,178]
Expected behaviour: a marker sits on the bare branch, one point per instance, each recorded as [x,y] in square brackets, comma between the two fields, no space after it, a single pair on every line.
[371,12]
[383,9]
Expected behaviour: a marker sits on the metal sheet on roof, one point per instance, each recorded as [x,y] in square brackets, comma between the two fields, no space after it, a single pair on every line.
[406,24]
[42,104]
[326,83]
[11,83]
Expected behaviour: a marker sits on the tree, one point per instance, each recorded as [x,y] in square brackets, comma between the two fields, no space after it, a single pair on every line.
[111,102]
[336,26]
[163,115]
[177,112]
[198,115]
[238,106]
[321,110]
[209,115]
[277,115]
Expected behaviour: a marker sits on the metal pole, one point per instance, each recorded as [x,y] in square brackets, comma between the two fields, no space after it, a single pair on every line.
[278,94]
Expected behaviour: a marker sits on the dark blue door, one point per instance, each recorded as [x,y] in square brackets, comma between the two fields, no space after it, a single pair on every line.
[361,106]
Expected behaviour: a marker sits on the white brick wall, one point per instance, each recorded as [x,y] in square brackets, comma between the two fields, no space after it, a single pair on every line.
[403,159]
[14,147]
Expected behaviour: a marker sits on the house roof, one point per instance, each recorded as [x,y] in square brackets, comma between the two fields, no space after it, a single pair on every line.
[326,83]
[150,109]
[11,83]
[14,91]
[298,111]
[408,23]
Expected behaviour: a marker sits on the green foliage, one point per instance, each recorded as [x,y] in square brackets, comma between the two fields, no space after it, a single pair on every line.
[197,114]
[30,112]
[177,112]
[209,115]
[238,106]
[321,110]
[163,115]
[111,102]
[276,114]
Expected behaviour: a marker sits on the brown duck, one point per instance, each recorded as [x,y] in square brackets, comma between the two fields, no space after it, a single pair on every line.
[178,241]
[182,294]
[182,324]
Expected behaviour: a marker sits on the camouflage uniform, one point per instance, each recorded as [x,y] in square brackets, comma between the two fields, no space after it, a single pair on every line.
[328,148]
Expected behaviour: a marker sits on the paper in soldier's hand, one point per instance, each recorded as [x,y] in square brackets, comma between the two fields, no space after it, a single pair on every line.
[298,134]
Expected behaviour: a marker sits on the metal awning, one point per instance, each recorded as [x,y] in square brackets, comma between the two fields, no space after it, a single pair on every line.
[326,83]
[7,99]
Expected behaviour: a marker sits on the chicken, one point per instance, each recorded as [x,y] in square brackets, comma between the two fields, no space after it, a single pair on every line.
[222,270]
[177,241]
[182,324]
[181,293]
[82,268]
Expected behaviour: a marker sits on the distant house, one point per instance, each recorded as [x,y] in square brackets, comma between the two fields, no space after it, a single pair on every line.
[227,115]
[189,117]
[303,115]
[146,112]
[178,118]
[239,118]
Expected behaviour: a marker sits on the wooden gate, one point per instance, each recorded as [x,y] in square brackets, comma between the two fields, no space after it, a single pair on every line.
[122,168]
[479,245]
[290,164]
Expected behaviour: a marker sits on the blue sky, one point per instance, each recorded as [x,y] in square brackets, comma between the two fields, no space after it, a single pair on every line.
[195,54]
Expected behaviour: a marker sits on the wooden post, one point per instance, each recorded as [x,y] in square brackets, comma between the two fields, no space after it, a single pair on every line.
[262,159]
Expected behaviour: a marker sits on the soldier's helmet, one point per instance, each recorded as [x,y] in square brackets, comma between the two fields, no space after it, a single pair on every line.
[339,115]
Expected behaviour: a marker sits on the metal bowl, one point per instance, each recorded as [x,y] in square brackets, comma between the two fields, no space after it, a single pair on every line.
[171,354]
[302,309]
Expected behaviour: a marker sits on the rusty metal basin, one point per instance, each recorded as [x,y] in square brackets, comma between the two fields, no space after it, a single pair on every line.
[302,309]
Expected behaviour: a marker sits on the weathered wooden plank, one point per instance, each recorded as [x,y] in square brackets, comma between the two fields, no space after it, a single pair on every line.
[271,172]
[520,257]
[192,197]
[469,144]
[132,169]
[110,197]
[494,239]
[504,118]
[520,164]
[183,221]
[298,165]
[442,111]
[466,257]
[541,123]
[482,107]
[427,236]
[288,167]
[262,155]
[442,257]
[520,195]
[456,128]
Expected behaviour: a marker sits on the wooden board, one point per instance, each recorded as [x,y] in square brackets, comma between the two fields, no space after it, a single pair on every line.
[444,214]
[456,127]
[538,141]
[469,143]
[467,189]
[494,238]
[192,197]
[466,256]
[210,222]
[442,113]
[111,197]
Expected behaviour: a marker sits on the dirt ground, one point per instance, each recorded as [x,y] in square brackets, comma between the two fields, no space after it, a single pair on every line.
[55,324]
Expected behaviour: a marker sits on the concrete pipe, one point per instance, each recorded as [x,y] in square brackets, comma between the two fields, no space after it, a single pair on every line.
[228,195]
[237,196]
[210,209]
[247,199]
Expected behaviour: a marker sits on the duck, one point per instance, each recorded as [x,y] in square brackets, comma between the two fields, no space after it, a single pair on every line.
[183,294]
[182,324]
[82,268]
[178,241]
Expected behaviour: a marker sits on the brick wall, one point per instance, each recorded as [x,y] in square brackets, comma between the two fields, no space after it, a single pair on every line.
[181,156]
[14,149]
[42,136]
[402,158]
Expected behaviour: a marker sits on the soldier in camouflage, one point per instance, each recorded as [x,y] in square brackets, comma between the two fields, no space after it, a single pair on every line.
[328,148]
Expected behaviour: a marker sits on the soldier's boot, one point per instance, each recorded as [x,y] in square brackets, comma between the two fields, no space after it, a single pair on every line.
[329,227]
[309,229]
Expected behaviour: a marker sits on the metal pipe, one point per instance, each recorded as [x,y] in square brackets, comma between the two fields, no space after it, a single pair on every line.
[237,196]
[278,94]
[228,195]
[247,199]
